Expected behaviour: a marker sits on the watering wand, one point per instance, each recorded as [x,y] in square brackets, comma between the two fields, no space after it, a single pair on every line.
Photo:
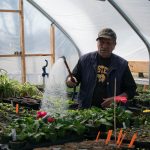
[70,74]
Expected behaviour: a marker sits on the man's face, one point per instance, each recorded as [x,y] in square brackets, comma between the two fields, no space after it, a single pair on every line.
[105,47]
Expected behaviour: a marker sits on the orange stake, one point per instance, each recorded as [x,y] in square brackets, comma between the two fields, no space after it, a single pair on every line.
[97,136]
[132,140]
[108,136]
[120,142]
[17,108]
[119,136]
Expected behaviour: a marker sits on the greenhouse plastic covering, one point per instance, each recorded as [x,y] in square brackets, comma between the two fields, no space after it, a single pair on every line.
[81,20]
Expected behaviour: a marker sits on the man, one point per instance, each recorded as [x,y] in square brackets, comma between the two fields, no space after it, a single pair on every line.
[102,74]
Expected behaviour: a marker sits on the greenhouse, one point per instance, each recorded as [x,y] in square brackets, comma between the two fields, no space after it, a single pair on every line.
[43,47]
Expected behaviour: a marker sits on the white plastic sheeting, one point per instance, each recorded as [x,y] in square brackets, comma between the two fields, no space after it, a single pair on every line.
[82,20]
[37,40]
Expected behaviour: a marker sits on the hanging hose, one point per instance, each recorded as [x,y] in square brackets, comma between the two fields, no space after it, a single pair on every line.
[44,69]
[44,73]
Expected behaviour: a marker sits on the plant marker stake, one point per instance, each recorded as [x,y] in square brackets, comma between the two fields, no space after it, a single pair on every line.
[108,136]
[121,140]
[97,136]
[12,103]
[124,125]
[13,132]
[132,140]
[115,109]
[17,108]
[119,136]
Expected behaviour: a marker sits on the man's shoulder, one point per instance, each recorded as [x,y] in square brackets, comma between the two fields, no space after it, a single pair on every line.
[118,60]
[119,57]
[89,55]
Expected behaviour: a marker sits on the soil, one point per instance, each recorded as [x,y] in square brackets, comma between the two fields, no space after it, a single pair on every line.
[28,102]
[86,145]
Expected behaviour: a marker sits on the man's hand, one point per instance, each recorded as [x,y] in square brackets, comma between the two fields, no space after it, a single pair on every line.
[71,82]
[107,102]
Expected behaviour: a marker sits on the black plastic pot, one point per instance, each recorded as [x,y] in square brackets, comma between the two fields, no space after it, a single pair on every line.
[17,145]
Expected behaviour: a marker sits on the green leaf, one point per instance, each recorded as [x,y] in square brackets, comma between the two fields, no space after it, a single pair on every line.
[58,126]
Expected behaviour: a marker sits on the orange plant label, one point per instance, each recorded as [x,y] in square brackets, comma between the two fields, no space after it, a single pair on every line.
[132,140]
[17,108]
[108,136]
[97,136]
[119,136]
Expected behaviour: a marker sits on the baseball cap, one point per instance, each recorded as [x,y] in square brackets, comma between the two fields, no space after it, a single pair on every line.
[107,33]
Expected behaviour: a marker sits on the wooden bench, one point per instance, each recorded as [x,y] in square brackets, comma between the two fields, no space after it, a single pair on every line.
[140,71]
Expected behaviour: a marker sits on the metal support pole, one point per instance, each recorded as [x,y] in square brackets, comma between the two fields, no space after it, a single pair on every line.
[55,23]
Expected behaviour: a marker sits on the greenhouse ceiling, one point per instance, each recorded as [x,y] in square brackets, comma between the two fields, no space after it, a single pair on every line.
[83,19]
[77,24]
